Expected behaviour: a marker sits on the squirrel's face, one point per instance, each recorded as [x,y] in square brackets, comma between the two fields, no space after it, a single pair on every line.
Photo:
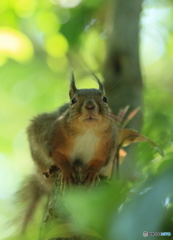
[88,106]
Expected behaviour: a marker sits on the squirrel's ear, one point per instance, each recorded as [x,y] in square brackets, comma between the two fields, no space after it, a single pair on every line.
[99,83]
[72,85]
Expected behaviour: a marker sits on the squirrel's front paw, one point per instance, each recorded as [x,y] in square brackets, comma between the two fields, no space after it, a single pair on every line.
[50,171]
[68,178]
[91,178]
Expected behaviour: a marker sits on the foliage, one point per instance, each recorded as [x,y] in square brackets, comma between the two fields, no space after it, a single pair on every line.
[39,41]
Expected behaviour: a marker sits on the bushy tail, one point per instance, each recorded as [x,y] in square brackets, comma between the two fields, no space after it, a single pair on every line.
[26,200]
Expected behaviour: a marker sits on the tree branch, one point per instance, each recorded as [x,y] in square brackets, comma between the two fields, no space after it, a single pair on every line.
[58,220]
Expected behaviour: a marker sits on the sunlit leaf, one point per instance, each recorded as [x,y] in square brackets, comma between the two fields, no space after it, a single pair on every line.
[129,136]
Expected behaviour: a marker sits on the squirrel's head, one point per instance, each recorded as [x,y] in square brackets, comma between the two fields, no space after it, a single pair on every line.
[88,106]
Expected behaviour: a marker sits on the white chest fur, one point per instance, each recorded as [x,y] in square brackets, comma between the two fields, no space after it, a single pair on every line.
[85,147]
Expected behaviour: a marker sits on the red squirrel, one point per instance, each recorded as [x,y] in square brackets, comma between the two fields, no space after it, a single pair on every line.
[81,133]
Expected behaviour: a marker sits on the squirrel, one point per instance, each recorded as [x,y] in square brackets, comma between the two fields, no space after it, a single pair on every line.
[81,133]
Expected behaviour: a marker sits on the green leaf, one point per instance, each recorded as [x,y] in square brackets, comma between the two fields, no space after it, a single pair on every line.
[68,230]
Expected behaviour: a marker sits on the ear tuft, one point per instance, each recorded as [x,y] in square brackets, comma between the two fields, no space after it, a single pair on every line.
[99,83]
[72,85]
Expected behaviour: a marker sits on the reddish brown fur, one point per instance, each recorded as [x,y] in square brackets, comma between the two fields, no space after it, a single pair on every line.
[74,123]
[80,131]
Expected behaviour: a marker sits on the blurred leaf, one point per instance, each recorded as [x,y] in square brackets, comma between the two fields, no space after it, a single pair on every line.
[146,211]
[93,209]
[60,230]
[68,230]
[129,136]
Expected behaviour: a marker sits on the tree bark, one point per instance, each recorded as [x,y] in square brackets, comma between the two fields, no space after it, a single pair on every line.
[123,80]
[57,218]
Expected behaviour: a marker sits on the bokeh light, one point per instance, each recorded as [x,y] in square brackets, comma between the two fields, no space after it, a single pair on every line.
[25,8]
[47,22]
[56,45]
[16,45]
[66,3]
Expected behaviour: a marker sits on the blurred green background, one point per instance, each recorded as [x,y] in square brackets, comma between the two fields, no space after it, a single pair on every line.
[39,42]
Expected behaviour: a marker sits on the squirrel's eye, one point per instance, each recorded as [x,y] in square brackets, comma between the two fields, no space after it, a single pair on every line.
[73,100]
[105,99]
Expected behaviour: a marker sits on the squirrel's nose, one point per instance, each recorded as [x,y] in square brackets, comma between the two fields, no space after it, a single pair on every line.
[90,105]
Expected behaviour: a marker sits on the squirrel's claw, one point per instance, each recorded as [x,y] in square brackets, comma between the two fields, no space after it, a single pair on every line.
[67,180]
[50,171]
[91,178]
